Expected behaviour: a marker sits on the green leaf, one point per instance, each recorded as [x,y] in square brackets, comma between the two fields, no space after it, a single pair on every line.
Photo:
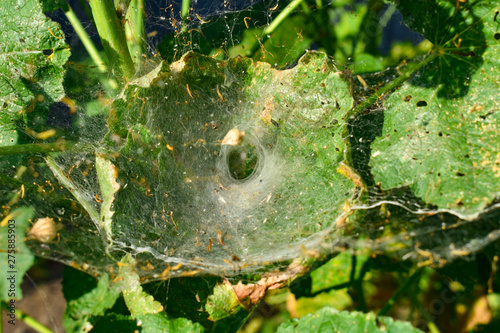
[283,47]
[193,292]
[15,255]
[159,323]
[441,128]
[145,309]
[107,173]
[86,298]
[330,320]
[138,301]
[223,303]
[336,271]
[32,54]
[188,194]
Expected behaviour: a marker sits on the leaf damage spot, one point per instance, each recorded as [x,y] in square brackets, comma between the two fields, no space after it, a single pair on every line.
[251,294]
[421,103]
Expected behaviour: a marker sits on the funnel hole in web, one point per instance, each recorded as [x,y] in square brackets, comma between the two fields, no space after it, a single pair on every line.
[242,161]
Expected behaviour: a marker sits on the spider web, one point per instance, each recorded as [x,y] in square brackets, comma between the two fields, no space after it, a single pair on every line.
[188,204]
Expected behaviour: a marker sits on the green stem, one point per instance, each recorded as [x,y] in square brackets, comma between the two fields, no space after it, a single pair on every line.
[84,37]
[112,37]
[327,290]
[398,292]
[135,31]
[274,25]
[185,8]
[186,4]
[357,283]
[282,16]
[354,263]
[387,15]
[389,87]
[36,148]
[28,320]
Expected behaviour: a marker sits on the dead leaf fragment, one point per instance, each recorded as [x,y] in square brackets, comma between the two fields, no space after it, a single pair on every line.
[233,138]
[44,230]
[251,294]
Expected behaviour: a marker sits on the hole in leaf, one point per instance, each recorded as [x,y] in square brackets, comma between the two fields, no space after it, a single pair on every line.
[459,174]
[496,36]
[440,134]
[407,98]
[421,103]
[48,52]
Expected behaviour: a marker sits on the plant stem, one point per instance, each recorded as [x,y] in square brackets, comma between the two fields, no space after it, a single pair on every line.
[112,37]
[398,292]
[36,148]
[274,25]
[282,16]
[327,290]
[185,8]
[135,31]
[86,41]
[352,275]
[28,320]
[186,4]
[389,87]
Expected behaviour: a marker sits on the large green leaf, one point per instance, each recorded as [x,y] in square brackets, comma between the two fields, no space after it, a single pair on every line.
[185,196]
[441,128]
[191,187]
[32,53]
[330,320]
[15,255]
